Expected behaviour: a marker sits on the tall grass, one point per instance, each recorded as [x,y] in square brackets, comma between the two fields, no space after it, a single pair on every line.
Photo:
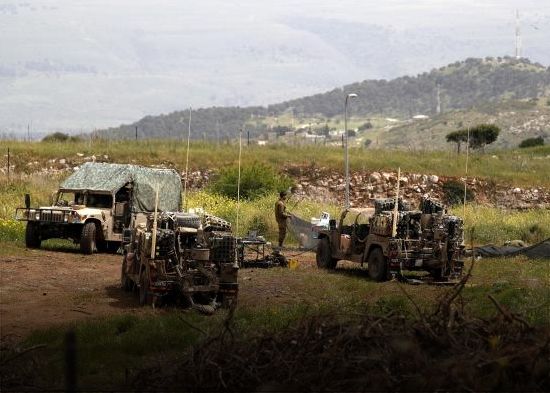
[518,167]
[494,225]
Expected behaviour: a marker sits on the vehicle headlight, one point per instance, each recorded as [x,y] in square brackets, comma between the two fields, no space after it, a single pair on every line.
[29,214]
[37,216]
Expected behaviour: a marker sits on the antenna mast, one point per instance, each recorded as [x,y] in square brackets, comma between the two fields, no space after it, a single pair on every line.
[239,181]
[187,164]
[518,37]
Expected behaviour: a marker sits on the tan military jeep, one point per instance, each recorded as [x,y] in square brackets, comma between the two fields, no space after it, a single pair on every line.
[97,202]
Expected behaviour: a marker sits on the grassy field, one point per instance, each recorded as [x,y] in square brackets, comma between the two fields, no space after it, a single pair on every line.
[518,167]
[112,350]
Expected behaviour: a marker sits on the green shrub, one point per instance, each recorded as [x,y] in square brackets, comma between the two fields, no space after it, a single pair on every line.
[257,180]
[530,142]
[453,192]
[365,126]
[60,137]
[11,230]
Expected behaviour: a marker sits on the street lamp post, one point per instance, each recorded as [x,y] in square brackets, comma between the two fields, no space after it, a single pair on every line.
[346,138]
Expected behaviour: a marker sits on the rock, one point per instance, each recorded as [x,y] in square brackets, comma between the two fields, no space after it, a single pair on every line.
[62,161]
[375,177]
[516,190]
[80,154]
[434,179]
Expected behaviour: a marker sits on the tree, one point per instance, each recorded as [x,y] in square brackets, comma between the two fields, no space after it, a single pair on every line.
[457,137]
[483,134]
[365,126]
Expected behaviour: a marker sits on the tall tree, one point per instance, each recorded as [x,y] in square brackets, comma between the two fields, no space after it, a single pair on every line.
[457,137]
[482,135]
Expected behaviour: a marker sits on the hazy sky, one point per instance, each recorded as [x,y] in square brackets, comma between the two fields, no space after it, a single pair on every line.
[77,65]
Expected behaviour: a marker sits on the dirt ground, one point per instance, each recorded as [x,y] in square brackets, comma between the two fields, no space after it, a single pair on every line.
[40,288]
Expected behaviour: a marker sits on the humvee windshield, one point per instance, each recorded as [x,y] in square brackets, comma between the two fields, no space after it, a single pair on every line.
[99,200]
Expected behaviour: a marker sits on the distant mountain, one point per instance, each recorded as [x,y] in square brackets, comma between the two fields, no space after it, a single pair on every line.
[462,85]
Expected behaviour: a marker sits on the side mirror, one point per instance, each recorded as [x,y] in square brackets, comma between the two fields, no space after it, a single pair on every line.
[27,201]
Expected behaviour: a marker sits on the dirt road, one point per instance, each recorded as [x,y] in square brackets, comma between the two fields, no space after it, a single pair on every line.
[41,288]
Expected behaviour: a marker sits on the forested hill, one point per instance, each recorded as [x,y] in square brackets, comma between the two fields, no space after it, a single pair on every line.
[462,85]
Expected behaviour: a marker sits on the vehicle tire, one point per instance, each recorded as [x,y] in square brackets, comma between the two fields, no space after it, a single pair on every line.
[125,281]
[323,256]
[88,238]
[440,274]
[377,265]
[144,296]
[32,235]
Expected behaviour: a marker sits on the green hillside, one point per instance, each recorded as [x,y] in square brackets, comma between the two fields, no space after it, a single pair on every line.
[463,85]
[518,120]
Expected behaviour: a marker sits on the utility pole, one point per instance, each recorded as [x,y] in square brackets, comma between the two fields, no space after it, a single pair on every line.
[136,133]
[438,99]
[247,137]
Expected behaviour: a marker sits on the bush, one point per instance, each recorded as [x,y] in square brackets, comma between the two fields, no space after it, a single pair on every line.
[11,230]
[530,142]
[453,192]
[365,126]
[60,137]
[256,180]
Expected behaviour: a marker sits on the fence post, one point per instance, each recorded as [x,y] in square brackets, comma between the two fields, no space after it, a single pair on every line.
[8,164]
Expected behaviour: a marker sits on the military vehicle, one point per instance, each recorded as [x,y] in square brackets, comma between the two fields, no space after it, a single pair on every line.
[94,205]
[183,257]
[426,239]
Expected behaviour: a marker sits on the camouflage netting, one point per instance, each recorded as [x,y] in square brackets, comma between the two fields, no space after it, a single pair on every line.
[109,178]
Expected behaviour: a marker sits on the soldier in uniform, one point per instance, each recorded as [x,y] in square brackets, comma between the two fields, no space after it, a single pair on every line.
[281,216]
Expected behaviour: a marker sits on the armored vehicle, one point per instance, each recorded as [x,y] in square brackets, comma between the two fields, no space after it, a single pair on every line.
[426,239]
[187,258]
[94,205]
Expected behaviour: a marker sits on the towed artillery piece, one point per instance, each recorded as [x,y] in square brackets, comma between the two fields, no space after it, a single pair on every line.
[186,258]
[390,240]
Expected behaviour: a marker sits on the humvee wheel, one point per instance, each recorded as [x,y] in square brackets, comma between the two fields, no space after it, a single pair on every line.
[32,235]
[323,256]
[125,282]
[87,239]
[378,268]
[144,297]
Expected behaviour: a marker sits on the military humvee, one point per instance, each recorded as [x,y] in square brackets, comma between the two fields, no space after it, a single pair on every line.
[427,239]
[189,259]
[94,205]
